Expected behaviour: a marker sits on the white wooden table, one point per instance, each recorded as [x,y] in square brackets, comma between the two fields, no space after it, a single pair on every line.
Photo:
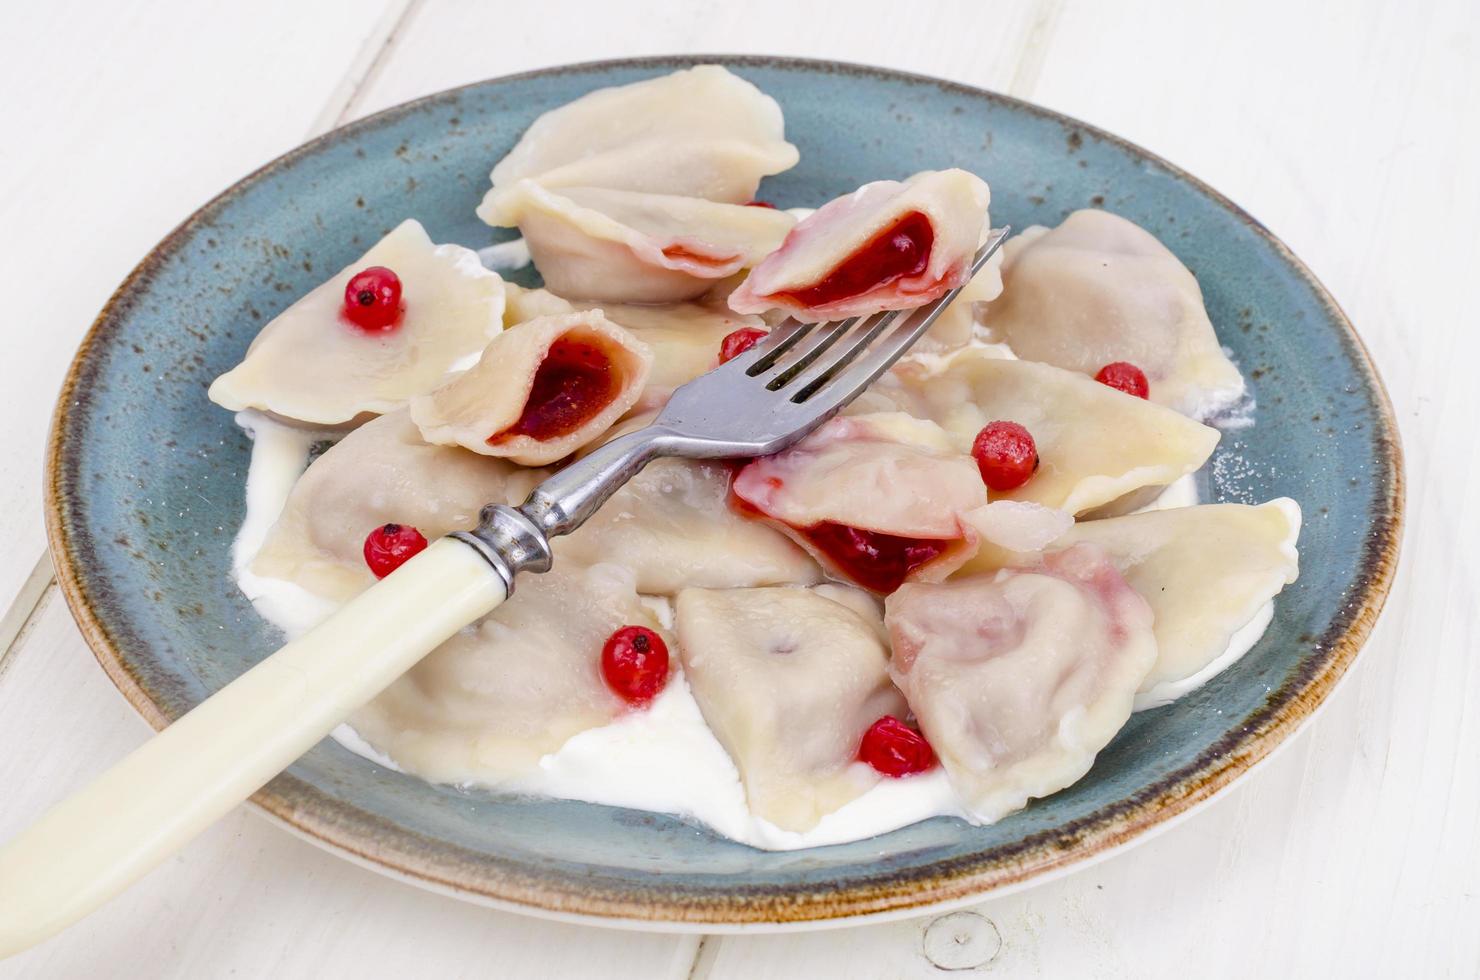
[1352,129]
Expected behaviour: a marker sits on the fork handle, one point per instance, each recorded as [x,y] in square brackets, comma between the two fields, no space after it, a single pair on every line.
[103,838]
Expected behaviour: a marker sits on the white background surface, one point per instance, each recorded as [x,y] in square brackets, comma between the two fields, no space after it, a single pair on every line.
[1351,128]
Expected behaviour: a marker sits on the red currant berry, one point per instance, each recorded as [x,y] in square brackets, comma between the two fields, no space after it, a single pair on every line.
[738,342]
[1126,377]
[895,749]
[372,299]
[390,546]
[634,661]
[1006,455]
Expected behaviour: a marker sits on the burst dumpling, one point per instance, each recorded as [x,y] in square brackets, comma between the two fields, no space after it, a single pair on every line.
[638,247]
[788,680]
[490,702]
[1099,289]
[1019,678]
[540,391]
[876,498]
[381,473]
[1095,444]
[701,132]
[311,365]
[890,245]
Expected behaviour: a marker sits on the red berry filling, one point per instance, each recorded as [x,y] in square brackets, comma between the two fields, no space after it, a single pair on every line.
[738,342]
[372,299]
[760,204]
[634,661]
[1005,454]
[902,249]
[572,385]
[1126,377]
[895,749]
[877,561]
[390,546]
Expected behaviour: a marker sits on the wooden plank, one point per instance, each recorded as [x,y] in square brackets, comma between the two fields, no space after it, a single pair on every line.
[123,118]
[247,899]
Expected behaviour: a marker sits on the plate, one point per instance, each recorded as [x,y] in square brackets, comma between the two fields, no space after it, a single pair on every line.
[145,492]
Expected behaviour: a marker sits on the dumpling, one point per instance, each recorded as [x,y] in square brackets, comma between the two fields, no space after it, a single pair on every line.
[311,365]
[701,132]
[1205,571]
[486,705]
[540,391]
[890,245]
[672,527]
[381,473]
[877,499]
[1095,444]
[635,246]
[789,681]
[1099,289]
[1019,678]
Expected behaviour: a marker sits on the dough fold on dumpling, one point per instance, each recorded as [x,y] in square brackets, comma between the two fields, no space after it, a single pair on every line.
[877,499]
[956,325]
[700,132]
[311,365]
[684,338]
[540,391]
[1094,443]
[381,473]
[1205,571]
[486,705]
[1019,678]
[672,527]
[1099,289]
[635,246]
[890,245]
[788,680]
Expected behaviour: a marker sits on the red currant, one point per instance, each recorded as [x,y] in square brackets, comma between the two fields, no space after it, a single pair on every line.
[634,661]
[390,546]
[738,342]
[895,749]
[1006,455]
[1126,377]
[372,299]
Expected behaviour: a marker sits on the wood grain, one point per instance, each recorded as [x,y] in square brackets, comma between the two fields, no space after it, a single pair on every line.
[1349,128]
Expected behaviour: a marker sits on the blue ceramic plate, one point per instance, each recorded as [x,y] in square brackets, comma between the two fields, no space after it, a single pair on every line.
[145,483]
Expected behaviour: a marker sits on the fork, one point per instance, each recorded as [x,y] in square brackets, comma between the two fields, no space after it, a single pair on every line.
[97,842]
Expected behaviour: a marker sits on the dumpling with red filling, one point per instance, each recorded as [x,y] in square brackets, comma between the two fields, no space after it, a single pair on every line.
[540,391]
[890,245]
[1099,289]
[381,473]
[877,499]
[635,246]
[700,132]
[311,365]
[1018,678]
[486,705]
[789,681]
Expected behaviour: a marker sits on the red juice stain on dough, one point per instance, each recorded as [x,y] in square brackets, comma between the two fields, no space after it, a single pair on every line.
[879,562]
[682,253]
[902,249]
[572,385]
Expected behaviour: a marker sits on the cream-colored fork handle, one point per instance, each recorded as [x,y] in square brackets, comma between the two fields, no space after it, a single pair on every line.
[95,844]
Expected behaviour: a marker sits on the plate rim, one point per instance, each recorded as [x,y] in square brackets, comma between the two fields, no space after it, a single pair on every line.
[354,834]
